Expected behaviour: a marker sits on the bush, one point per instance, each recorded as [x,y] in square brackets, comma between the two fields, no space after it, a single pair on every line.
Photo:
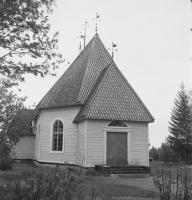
[6,162]
[175,184]
[6,157]
[56,184]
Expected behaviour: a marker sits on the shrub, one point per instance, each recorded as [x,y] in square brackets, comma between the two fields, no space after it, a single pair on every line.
[6,157]
[55,185]
[6,162]
[175,184]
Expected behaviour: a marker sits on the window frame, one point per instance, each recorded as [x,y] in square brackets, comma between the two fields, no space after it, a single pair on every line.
[51,136]
[117,127]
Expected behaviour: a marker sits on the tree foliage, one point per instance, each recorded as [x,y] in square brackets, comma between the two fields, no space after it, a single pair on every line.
[24,36]
[153,153]
[10,129]
[180,126]
[166,153]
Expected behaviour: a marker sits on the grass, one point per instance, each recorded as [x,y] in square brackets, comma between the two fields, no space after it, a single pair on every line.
[162,165]
[106,188]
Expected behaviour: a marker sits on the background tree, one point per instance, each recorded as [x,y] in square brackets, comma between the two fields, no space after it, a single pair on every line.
[166,153]
[10,104]
[153,153]
[180,137]
[25,48]
[24,36]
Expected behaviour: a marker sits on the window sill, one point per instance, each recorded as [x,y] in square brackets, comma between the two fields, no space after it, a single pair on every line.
[56,152]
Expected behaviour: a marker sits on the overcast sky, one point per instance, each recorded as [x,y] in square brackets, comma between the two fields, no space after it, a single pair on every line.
[153,40]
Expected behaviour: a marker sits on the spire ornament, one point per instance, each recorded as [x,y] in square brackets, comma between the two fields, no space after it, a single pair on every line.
[113,49]
[96,21]
[80,37]
[84,36]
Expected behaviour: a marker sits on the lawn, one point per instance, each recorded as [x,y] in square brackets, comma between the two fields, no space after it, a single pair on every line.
[161,165]
[114,187]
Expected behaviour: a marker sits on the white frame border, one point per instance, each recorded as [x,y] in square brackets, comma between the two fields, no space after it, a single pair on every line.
[51,136]
[121,130]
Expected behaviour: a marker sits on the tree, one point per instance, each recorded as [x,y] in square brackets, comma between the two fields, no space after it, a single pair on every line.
[10,105]
[166,153]
[153,153]
[180,129]
[24,35]
[10,130]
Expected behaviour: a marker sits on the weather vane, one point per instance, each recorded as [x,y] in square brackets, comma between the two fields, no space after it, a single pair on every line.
[84,36]
[96,20]
[81,36]
[113,49]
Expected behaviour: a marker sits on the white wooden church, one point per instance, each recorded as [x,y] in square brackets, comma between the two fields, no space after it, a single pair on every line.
[92,116]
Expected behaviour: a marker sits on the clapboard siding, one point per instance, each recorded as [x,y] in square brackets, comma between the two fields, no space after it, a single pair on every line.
[95,142]
[81,142]
[70,135]
[139,143]
[25,148]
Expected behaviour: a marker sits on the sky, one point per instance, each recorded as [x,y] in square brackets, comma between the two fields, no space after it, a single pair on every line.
[153,49]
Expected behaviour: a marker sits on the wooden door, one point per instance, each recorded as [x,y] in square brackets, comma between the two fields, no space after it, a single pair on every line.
[116,148]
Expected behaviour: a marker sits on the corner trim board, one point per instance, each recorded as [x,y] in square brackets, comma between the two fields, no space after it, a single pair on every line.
[147,144]
[86,143]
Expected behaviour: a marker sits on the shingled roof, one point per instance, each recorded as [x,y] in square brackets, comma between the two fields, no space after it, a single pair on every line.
[79,79]
[94,81]
[113,98]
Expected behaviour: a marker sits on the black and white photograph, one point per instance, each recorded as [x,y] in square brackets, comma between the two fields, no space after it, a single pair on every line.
[95,100]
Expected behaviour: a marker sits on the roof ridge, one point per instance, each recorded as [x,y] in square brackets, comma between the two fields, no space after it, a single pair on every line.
[94,38]
[97,42]
[99,83]
[134,92]
[63,74]
[95,89]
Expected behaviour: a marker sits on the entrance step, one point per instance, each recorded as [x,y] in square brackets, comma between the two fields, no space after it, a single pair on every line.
[123,169]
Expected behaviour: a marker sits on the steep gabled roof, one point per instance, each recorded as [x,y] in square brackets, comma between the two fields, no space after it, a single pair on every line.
[113,98]
[94,81]
[76,83]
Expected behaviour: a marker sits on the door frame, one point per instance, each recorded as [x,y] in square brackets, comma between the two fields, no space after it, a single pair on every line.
[118,130]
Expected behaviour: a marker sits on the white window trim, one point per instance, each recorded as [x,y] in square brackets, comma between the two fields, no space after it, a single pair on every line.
[117,126]
[51,136]
[121,130]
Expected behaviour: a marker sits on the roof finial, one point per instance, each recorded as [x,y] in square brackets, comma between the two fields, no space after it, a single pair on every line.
[113,46]
[85,32]
[97,17]
[81,36]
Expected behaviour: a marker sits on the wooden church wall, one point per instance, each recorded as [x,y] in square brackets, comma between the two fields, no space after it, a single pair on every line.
[139,143]
[70,135]
[81,133]
[95,143]
[25,148]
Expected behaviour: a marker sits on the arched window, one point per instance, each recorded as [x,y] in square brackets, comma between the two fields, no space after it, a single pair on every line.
[117,123]
[57,144]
